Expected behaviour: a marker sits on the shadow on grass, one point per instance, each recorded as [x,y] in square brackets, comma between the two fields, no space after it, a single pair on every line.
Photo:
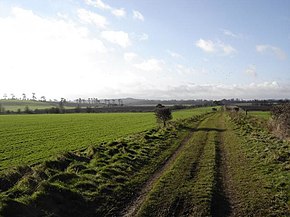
[205,129]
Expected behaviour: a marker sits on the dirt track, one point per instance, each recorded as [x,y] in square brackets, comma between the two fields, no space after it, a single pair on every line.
[205,176]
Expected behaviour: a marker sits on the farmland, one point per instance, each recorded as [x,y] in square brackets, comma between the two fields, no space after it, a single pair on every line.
[215,164]
[261,114]
[28,139]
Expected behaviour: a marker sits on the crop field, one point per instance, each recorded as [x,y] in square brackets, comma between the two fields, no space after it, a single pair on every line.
[214,164]
[28,139]
[14,105]
[261,114]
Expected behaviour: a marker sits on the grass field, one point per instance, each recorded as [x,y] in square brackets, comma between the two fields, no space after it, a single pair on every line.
[261,114]
[14,105]
[28,139]
[218,164]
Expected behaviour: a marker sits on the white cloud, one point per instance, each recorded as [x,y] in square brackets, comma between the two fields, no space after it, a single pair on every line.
[264,90]
[98,4]
[229,33]
[183,70]
[138,16]
[209,46]
[264,48]
[119,12]
[227,49]
[103,6]
[130,56]
[45,54]
[174,54]
[143,37]
[151,65]
[92,18]
[117,37]
[251,71]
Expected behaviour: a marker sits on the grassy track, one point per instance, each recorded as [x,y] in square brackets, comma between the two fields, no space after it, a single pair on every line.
[217,174]
[29,139]
[98,181]
[212,165]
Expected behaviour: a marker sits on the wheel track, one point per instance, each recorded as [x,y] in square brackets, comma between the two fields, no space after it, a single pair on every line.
[133,208]
[222,200]
[177,208]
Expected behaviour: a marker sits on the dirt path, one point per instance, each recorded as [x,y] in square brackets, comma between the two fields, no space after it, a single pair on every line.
[223,197]
[133,208]
[221,203]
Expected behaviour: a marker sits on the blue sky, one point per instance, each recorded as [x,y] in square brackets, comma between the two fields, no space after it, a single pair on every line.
[149,49]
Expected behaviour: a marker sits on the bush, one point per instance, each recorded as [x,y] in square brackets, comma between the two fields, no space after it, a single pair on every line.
[280,120]
[162,114]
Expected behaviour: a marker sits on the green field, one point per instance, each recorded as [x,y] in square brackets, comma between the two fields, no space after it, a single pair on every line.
[261,114]
[216,164]
[28,139]
[14,105]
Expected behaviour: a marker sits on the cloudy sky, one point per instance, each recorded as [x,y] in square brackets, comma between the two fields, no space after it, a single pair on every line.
[150,49]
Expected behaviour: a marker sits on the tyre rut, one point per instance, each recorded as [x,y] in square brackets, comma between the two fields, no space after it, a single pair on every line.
[133,208]
[222,200]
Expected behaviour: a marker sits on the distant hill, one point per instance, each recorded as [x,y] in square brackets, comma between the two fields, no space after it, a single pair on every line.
[14,105]
[148,102]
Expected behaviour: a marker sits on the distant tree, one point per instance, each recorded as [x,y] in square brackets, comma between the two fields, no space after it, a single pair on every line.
[2,109]
[12,96]
[5,96]
[61,105]
[43,99]
[78,109]
[33,96]
[89,109]
[162,114]
[27,110]
[23,96]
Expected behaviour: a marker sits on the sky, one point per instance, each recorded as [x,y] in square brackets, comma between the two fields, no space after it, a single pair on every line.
[176,49]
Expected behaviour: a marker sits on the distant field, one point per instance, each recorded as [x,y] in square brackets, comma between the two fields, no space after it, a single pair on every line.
[261,114]
[190,112]
[14,105]
[27,139]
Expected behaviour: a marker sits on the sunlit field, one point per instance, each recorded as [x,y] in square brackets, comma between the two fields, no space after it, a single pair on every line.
[27,139]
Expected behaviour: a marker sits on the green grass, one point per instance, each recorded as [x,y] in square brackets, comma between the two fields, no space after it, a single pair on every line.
[98,181]
[261,114]
[186,188]
[14,105]
[29,139]
[261,165]
[187,113]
